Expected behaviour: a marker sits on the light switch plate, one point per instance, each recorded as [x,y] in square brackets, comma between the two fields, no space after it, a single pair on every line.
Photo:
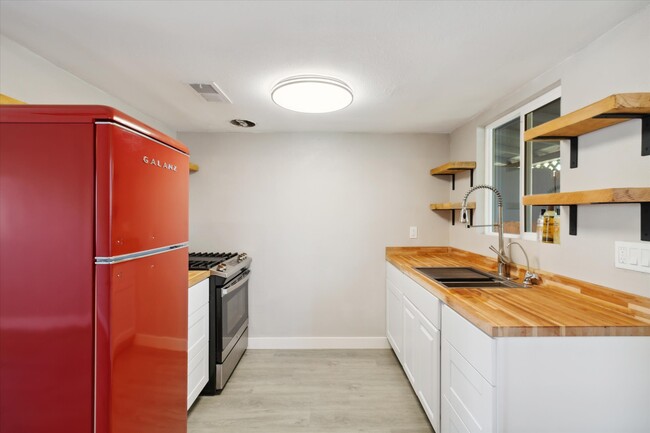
[413,232]
[634,256]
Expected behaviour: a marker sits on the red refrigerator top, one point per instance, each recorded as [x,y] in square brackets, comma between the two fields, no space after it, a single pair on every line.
[93,288]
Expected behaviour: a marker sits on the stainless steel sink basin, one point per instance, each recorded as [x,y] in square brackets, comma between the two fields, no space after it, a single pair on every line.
[464,277]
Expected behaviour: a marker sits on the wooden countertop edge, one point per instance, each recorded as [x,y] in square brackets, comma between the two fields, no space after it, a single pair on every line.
[195,277]
[632,312]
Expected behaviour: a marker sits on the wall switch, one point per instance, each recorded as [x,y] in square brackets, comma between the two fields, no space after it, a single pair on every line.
[645,258]
[634,256]
[413,232]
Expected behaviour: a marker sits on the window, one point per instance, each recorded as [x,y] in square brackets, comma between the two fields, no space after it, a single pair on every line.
[541,163]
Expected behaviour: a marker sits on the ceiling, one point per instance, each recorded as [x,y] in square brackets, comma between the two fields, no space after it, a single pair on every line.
[414,66]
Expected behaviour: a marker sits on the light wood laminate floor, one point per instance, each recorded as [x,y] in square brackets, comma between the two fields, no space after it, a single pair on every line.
[313,391]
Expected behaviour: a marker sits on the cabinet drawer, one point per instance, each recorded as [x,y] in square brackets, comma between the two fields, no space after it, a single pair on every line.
[198,295]
[474,345]
[470,397]
[197,375]
[450,422]
[423,300]
[197,332]
[420,297]
[393,274]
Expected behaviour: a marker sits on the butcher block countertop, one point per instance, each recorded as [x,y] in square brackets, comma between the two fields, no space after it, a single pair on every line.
[557,306]
[196,277]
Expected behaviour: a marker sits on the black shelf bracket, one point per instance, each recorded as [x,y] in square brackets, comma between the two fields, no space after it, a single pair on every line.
[645,127]
[573,162]
[453,177]
[645,136]
[645,221]
[573,220]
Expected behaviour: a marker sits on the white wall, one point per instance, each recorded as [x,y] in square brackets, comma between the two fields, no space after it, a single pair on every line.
[617,62]
[315,212]
[30,78]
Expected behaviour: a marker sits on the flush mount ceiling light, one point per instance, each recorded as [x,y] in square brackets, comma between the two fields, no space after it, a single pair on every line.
[312,94]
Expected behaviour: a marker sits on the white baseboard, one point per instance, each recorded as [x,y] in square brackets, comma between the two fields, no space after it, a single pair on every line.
[318,343]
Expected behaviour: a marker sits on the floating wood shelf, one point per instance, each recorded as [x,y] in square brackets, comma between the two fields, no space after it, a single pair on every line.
[596,196]
[194,167]
[453,207]
[451,168]
[606,112]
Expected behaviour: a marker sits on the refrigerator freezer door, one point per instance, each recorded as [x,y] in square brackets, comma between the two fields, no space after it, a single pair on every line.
[46,277]
[142,192]
[142,344]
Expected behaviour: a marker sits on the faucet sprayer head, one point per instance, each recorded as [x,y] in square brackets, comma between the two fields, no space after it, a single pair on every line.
[463,214]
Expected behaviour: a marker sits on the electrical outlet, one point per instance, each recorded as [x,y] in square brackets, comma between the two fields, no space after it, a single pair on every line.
[413,232]
[634,256]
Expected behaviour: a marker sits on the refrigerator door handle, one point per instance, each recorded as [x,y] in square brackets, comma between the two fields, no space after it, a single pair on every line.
[231,289]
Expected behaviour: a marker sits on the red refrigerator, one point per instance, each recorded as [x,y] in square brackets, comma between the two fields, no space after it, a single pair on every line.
[93,273]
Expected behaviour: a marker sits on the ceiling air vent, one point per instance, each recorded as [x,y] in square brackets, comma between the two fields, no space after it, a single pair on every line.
[211,92]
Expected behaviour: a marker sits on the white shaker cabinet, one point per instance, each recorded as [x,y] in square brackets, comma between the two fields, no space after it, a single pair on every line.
[198,323]
[416,339]
[427,368]
[394,318]
[470,382]
[467,376]
[542,384]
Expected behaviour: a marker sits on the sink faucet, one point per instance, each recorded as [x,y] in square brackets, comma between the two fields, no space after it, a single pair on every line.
[530,276]
[502,257]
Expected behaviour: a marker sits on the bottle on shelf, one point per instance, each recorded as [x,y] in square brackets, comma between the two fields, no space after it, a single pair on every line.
[556,229]
[539,228]
[548,231]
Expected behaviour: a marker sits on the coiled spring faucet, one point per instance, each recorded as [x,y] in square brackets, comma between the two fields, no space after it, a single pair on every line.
[503,258]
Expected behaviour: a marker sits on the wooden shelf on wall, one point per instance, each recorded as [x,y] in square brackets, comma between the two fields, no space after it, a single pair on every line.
[606,112]
[596,196]
[194,167]
[453,207]
[451,168]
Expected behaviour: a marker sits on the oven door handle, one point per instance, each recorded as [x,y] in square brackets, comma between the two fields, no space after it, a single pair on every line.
[230,289]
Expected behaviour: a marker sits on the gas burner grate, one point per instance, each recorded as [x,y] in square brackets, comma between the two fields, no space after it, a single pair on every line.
[202,265]
[205,261]
[212,256]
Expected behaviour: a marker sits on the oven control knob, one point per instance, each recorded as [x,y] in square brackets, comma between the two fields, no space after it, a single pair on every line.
[221,267]
[242,257]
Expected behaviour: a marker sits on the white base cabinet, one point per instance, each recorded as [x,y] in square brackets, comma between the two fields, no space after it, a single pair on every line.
[198,323]
[412,322]
[394,318]
[542,384]
[469,382]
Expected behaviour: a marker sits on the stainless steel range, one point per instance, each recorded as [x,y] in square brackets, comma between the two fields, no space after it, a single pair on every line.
[229,274]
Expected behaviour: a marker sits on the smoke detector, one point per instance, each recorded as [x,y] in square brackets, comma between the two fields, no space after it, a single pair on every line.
[210,92]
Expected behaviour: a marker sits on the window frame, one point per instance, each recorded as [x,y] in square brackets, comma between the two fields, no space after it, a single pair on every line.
[519,112]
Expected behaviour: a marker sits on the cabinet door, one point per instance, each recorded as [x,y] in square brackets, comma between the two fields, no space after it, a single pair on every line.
[394,320]
[427,369]
[197,340]
[466,392]
[409,348]
[450,422]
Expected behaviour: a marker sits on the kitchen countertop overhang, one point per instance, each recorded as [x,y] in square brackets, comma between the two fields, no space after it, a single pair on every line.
[195,277]
[559,306]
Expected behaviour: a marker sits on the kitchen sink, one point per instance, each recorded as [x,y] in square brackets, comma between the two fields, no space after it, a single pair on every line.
[464,277]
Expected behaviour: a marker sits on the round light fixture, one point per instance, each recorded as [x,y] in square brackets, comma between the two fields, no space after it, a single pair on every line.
[312,94]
